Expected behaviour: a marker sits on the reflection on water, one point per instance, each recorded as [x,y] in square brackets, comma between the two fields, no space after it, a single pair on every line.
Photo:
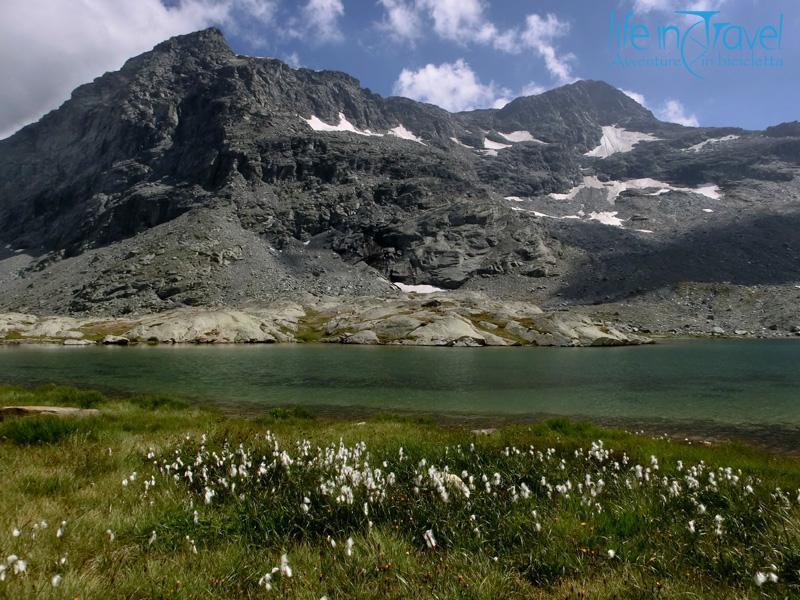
[728,385]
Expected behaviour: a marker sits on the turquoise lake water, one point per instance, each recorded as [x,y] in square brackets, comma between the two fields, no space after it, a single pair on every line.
[733,383]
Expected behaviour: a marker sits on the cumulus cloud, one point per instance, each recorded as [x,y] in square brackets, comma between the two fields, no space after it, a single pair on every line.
[636,96]
[293,60]
[532,89]
[321,18]
[453,86]
[458,20]
[402,20]
[540,35]
[48,49]
[465,22]
[673,111]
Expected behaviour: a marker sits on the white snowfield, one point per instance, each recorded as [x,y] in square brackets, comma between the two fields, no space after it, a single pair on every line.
[460,143]
[616,139]
[709,142]
[536,213]
[609,218]
[318,124]
[606,218]
[490,145]
[614,188]
[344,125]
[417,289]
[520,136]
[401,132]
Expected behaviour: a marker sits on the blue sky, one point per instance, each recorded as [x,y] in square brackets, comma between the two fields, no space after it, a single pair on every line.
[457,53]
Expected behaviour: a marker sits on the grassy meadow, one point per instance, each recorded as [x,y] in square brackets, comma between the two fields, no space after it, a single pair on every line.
[156,498]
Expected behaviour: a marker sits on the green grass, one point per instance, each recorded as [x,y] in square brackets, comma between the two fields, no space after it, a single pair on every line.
[72,469]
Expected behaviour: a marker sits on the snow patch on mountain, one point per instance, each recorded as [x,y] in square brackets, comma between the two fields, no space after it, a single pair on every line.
[401,132]
[614,188]
[520,136]
[458,142]
[490,145]
[606,218]
[709,142]
[417,289]
[343,125]
[616,139]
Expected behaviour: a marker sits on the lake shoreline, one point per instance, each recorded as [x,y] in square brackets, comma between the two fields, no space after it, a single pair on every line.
[784,440]
[706,388]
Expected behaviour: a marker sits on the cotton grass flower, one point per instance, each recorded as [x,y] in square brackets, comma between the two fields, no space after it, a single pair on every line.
[20,566]
[348,547]
[286,570]
[611,553]
[430,541]
[55,580]
[266,581]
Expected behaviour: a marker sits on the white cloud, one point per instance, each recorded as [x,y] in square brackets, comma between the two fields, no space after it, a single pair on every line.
[647,6]
[674,112]
[261,10]
[48,49]
[539,34]
[453,86]
[532,89]
[457,20]
[402,20]
[635,95]
[293,60]
[465,22]
[321,17]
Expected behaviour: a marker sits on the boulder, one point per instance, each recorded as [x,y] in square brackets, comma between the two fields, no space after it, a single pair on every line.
[205,327]
[73,342]
[454,330]
[115,340]
[366,337]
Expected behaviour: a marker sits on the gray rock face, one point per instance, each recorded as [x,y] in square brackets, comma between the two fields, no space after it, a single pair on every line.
[192,178]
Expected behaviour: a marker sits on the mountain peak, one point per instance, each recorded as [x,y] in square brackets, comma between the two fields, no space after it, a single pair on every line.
[209,40]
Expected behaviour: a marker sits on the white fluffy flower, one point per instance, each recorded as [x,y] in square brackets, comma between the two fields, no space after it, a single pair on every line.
[430,541]
[286,570]
[20,566]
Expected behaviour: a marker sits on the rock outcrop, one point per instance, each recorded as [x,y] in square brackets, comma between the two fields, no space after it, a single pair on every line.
[432,320]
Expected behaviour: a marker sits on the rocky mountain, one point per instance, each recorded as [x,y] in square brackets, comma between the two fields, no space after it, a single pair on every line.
[197,177]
